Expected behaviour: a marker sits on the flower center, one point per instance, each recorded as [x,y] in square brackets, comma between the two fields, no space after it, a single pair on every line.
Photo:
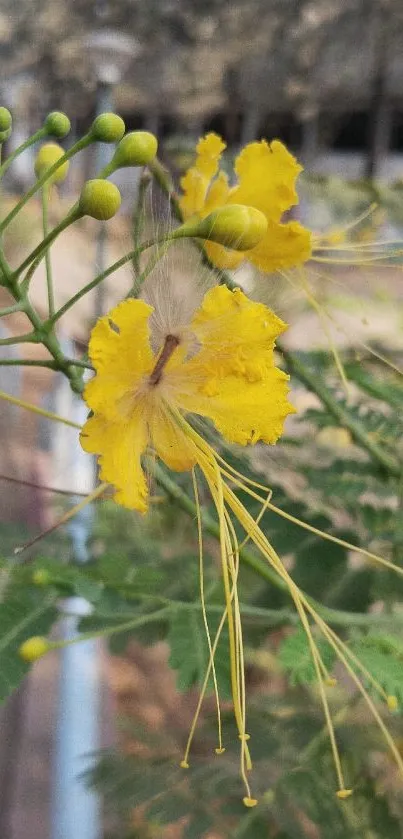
[170,345]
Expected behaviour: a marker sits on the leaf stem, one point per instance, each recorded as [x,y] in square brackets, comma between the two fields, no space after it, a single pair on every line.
[48,265]
[81,144]
[334,616]
[39,135]
[359,434]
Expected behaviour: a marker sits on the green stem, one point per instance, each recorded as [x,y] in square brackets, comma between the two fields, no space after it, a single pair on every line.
[165,182]
[48,265]
[333,616]
[103,275]
[138,218]
[39,135]
[9,310]
[40,251]
[357,431]
[81,144]
[112,630]
[29,338]
[28,362]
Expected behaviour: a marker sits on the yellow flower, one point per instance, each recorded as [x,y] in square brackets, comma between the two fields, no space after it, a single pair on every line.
[220,367]
[266,180]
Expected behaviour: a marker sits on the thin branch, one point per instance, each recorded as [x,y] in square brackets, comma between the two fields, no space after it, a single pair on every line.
[333,616]
[28,362]
[358,432]
[42,487]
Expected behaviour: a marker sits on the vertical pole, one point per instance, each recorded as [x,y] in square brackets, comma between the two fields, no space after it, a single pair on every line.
[76,809]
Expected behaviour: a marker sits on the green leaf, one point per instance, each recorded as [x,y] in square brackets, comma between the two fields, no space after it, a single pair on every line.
[25,612]
[295,656]
[382,656]
[189,650]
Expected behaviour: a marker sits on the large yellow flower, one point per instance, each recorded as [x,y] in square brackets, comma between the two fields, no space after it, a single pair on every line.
[266,180]
[220,366]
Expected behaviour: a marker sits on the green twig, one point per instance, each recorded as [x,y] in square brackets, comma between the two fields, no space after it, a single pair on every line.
[333,616]
[48,265]
[138,218]
[357,431]
[41,250]
[39,135]
[81,144]
[10,310]
[28,362]
[102,276]
[29,338]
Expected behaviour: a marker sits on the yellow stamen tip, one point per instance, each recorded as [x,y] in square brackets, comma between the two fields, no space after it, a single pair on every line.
[219,751]
[392,703]
[331,683]
[184,764]
[344,793]
[249,802]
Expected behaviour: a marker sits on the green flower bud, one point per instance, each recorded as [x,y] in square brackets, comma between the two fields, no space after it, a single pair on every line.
[108,128]
[135,149]
[6,120]
[57,124]
[47,156]
[99,199]
[34,648]
[235,226]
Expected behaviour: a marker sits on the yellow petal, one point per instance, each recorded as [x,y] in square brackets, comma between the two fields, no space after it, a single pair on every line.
[120,446]
[230,326]
[120,351]
[232,379]
[223,257]
[245,411]
[267,175]
[283,246]
[209,150]
[171,443]
[196,181]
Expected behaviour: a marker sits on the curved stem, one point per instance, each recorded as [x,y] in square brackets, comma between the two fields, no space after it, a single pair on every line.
[357,431]
[81,144]
[48,265]
[335,616]
[37,254]
[103,275]
[10,310]
[29,338]
[39,135]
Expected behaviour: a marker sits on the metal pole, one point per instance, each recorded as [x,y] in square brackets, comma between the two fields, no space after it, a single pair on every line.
[76,809]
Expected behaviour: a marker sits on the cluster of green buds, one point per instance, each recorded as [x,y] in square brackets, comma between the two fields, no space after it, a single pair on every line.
[234,226]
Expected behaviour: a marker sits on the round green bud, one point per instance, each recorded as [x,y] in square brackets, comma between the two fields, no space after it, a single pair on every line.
[4,135]
[6,120]
[41,577]
[57,124]
[135,149]
[34,648]
[47,156]
[100,199]
[235,226]
[108,128]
